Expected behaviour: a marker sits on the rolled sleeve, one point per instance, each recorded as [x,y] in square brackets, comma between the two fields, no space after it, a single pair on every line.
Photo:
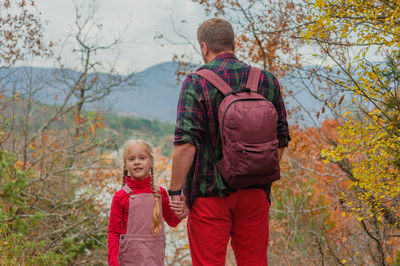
[282,126]
[190,113]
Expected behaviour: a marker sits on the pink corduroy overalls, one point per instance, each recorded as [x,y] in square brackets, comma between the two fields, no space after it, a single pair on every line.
[140,246]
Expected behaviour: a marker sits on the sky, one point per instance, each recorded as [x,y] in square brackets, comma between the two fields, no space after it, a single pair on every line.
[143,20]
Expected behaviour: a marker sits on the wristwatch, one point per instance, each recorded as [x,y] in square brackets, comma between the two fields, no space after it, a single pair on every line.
[174,192]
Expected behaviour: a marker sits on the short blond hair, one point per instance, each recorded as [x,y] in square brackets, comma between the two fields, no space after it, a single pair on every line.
[218,34]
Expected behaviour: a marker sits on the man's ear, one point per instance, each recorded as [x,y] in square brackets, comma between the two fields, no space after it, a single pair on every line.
[204,48]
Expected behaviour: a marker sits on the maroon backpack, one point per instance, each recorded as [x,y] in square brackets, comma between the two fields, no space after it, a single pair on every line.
[247,124]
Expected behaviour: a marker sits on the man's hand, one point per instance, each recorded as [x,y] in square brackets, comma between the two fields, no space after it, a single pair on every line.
[178,206]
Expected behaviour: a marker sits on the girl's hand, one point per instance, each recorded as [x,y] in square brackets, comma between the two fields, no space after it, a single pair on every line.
[179,208]
[182,215]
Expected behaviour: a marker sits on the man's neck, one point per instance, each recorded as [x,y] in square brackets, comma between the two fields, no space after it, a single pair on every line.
[212,55]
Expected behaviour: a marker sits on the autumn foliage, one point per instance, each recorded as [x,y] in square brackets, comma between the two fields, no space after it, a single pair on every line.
[337,202]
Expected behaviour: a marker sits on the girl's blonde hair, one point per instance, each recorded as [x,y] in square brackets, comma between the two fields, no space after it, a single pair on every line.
[156,227]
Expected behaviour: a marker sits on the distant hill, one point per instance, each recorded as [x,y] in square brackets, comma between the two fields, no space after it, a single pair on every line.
[153,95]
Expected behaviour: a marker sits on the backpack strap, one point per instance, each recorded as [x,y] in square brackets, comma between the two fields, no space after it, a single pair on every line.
[215,80]
[253,78]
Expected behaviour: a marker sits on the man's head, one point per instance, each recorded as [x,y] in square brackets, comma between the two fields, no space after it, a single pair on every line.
[215,36]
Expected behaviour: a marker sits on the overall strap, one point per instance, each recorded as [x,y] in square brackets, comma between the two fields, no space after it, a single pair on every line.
[127,189]
[253,79]
[215,80]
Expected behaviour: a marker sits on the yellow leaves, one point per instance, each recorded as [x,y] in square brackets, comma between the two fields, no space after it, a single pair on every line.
[347,113]
[366,145]
[326,160]
[374,22]
[363,53]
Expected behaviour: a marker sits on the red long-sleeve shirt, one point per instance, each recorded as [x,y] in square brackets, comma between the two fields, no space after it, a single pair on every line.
[119,214]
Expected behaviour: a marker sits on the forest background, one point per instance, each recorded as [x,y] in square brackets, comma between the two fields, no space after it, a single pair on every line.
[337,202]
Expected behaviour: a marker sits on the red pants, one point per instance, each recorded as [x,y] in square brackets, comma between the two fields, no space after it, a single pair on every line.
[243,217]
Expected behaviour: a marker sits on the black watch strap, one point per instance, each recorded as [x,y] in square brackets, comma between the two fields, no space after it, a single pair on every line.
[174,192]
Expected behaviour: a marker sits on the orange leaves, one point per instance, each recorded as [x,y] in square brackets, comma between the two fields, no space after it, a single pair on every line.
[99,124]
[290,6]
[79,120]
[88,126]
[267,32]
[19,165]
[21,32]
[219,5]
[79,86]
[242,38]
[9,36]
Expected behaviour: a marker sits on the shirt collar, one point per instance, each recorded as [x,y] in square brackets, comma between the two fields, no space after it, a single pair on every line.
[224,55]
[133,183]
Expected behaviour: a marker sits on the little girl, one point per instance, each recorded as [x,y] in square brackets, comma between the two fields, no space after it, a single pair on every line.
[135,232]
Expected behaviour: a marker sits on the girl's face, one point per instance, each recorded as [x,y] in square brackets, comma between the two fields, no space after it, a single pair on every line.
[138,161]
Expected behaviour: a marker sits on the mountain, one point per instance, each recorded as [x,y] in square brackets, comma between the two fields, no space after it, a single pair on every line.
[154,93]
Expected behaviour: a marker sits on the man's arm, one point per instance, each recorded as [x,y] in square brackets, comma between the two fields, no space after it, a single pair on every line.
[182,159]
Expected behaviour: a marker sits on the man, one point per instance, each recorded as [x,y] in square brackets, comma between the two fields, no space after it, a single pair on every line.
[217,212]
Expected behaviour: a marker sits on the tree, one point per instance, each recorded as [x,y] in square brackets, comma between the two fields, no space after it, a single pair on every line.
[268,33]
[21,32]
[367,148]
[59,148]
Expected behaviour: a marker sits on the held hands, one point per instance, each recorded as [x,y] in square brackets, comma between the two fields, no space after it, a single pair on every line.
[178,206]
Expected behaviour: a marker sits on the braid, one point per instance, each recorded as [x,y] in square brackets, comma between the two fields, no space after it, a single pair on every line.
[156,228]
[125,173]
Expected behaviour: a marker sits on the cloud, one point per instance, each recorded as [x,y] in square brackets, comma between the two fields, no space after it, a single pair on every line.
[146,17]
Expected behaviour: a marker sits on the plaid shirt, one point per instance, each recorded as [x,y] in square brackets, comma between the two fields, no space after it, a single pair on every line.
[197,121]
